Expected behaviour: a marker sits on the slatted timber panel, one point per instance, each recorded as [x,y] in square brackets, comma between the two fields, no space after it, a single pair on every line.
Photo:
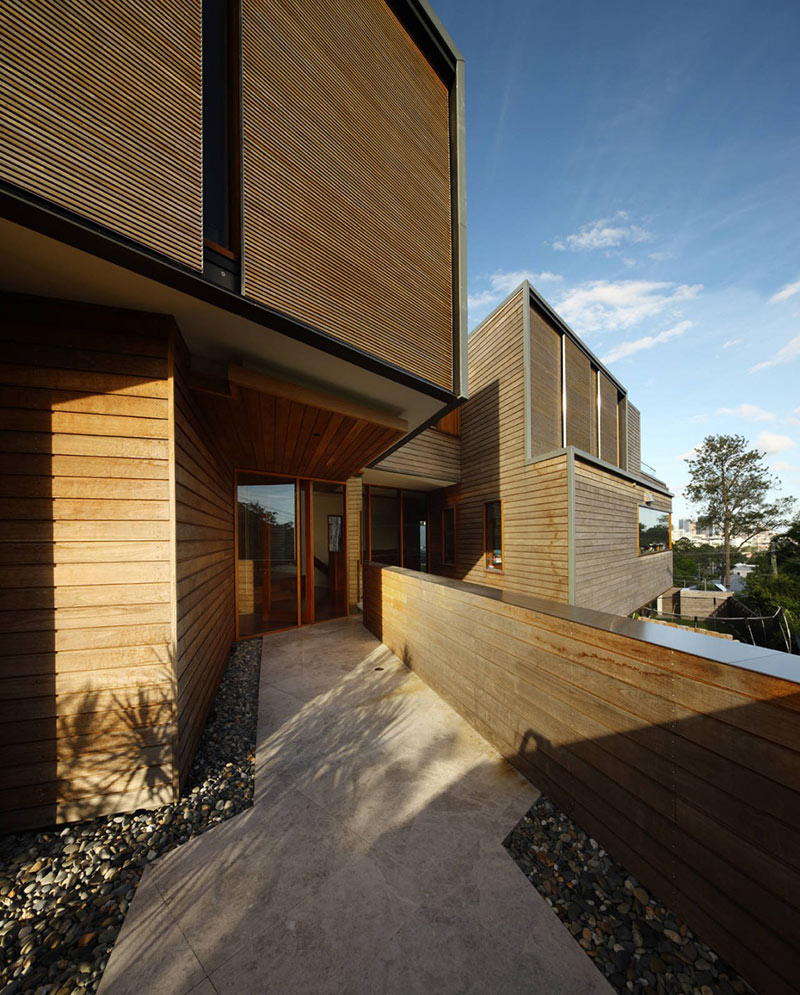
[100,111]
[581,400]
[86,710]
[354,500]
[258,431]
[685,768]
[609,573]
[493,467]
[204,548]
[622,429]
[430,454]
[347,179]
[546,395]
[634,446]
[608,420]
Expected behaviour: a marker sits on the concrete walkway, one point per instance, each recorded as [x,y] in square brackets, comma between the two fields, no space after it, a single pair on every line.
[371,860]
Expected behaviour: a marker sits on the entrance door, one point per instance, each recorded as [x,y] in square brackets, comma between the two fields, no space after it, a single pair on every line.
[267,555]
[291,564]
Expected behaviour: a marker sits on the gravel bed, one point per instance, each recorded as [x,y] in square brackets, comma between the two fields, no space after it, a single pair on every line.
[64,892]
[632,938]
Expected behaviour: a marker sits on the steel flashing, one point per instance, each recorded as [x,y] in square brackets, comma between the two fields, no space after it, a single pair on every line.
[571,525]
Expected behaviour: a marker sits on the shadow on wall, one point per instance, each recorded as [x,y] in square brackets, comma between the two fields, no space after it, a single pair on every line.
[686,771]
[85,673]
[480,460]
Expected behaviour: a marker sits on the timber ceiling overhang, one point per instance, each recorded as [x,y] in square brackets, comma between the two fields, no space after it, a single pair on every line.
[276,426]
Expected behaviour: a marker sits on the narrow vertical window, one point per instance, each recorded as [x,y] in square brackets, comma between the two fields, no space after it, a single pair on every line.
[449,537]
[221,130]
[493,535]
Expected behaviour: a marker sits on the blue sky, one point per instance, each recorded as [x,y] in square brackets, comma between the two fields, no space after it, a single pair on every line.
[640,164]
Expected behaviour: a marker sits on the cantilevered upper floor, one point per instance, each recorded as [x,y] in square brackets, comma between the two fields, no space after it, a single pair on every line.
[284,178]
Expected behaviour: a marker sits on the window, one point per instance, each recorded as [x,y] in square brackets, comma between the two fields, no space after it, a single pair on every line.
[493,535]
[220,129]
[449,537]
[655,530]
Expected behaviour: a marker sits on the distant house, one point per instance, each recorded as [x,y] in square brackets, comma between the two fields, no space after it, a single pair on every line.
[537,485]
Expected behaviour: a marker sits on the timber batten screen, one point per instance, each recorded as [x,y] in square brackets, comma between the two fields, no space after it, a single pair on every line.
[347,208]
[115,115]
[546,387]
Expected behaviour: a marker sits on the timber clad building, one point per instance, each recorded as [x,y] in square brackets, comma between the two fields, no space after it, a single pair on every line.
[233,400]
[234,361]
[233,257]
[536,483]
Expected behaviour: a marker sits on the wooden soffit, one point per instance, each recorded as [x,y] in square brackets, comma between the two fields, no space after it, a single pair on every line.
[286,428]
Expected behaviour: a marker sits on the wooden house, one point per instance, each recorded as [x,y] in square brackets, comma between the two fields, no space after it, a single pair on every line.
[232,237]
[535,485]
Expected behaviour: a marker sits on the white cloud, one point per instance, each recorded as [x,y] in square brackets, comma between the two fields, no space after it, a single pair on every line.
[790,351]
[698,419]
[732,342]
[786,292]
[600,305]
[749,411]
[690,452]
[774,443]
[783,467]
[605,233]
[647,342]
[500,286]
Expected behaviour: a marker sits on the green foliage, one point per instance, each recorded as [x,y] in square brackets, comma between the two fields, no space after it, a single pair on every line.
[775,583]
[731,484]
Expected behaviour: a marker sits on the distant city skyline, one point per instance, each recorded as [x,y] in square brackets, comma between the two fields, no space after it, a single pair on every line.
[638,164]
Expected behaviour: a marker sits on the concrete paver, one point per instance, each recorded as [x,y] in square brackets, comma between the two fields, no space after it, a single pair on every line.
[371,860]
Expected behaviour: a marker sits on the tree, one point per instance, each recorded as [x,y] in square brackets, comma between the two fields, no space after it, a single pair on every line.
[775,583]
[731,484]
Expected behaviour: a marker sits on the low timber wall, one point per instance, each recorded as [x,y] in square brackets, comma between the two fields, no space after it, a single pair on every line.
[680,754]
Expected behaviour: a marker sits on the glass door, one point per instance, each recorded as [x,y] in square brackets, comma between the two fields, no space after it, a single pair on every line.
[415,531]
[267,574]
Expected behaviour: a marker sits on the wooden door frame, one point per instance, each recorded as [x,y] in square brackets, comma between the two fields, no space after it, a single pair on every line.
[286,478]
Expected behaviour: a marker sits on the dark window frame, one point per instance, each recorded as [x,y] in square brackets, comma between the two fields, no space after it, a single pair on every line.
[489,554]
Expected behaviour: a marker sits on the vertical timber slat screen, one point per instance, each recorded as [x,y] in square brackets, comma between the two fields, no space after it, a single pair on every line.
[686,768]
[545,387]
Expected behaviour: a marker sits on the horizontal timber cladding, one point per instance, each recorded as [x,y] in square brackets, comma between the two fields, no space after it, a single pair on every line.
[353,501]
[347,219]
[101,114]
[204,558]
[609,449]
[546,396]
[609,573]
[685,768]
[634,443]
[430,454]
[87,717]
[581,400]
[493,468]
